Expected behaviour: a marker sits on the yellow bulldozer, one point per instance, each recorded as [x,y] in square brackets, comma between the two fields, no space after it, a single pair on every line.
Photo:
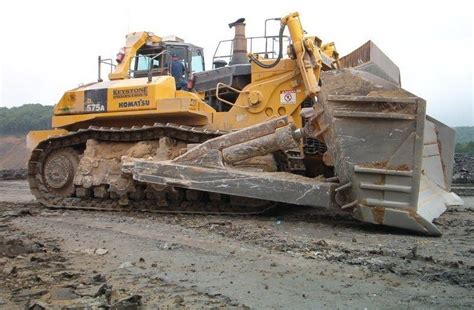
[279,119]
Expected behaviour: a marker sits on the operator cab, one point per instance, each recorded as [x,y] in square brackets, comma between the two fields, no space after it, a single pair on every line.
[156,59]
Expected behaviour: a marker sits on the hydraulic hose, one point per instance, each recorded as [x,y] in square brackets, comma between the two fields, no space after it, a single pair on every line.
[280,52]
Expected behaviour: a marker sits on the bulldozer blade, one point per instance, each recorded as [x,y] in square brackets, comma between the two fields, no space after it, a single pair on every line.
[393,164]
[278,187]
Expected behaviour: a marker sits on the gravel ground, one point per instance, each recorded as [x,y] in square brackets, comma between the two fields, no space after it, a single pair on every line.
[463,170]
[285,260]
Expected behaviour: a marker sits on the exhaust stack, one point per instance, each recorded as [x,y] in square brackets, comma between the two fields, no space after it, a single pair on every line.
[239,53]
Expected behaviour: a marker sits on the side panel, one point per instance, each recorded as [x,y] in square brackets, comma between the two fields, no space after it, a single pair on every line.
[138,94]
[116,96]
[446,143]
[113,100]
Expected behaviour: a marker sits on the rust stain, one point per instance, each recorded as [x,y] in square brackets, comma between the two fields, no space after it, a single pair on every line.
[403,167]
[378,214]
[380,182]
[376,164]
[328,159]
[385,165]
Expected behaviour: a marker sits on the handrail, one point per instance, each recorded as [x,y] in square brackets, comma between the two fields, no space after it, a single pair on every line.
[106,61]
[109,61]
[250,42]
[218,86]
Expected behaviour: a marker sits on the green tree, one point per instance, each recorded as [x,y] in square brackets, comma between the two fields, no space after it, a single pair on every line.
[20,120]
[464,134]
[465,148]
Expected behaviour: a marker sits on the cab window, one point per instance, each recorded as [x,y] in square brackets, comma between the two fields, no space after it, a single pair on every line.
[144,62]
[197,61]
[145,57]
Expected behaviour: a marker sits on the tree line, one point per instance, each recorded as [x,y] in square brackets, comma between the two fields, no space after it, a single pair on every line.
[20,120]
[465,140]
[465,148]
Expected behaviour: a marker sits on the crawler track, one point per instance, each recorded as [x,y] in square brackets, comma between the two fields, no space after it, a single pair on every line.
[77,139]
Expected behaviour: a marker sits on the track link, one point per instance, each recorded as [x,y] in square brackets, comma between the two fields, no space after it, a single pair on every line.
[78,138]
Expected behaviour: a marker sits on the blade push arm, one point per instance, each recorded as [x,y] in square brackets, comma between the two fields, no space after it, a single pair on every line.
[305,53]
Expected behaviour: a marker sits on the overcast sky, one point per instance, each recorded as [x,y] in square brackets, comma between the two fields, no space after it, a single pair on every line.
[48,47]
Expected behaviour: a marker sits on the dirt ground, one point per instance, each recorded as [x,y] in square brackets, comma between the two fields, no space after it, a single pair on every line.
[286,260]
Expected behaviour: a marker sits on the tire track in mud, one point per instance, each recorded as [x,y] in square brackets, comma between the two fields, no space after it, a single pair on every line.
[405,259]
[401,260]
[328,265]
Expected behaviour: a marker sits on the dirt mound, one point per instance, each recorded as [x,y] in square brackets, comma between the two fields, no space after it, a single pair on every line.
[13,152]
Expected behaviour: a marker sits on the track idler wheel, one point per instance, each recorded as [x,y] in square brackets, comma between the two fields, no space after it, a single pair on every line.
[58,171]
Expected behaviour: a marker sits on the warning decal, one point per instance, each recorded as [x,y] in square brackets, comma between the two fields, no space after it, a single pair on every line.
[288,96]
